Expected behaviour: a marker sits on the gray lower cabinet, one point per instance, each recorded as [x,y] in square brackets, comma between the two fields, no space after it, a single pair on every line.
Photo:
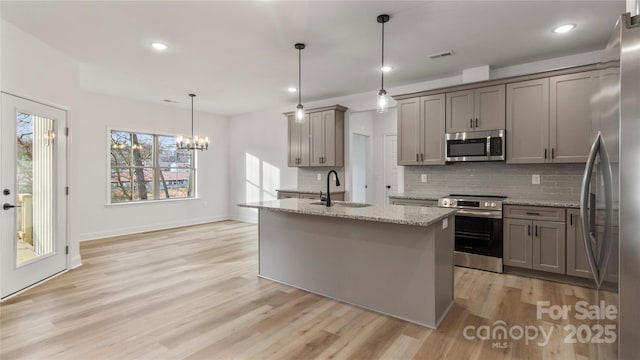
[531,242]
[518,242]
[549,241]
[577,261]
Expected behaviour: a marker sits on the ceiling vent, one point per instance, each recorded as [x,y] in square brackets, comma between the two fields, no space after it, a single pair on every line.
[441,54]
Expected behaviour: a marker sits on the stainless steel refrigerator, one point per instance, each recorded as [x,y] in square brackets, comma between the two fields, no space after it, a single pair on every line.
[610,196]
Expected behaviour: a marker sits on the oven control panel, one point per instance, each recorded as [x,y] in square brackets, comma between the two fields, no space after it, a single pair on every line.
[490,203]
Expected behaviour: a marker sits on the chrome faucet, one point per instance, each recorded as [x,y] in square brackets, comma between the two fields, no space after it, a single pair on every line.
[328,203]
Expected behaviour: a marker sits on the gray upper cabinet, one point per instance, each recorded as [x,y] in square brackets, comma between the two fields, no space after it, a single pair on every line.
[460,111]
[476,110]
[527,121]
[319,140]
[549,119]
[298,141]
[570,117]
[421,130]
[409,131]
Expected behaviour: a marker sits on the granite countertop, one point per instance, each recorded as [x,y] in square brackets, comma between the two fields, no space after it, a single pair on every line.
[575,204]
[394,214]
[309,191]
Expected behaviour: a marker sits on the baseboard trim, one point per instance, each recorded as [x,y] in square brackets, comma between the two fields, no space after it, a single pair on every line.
[150,227]
[245,218]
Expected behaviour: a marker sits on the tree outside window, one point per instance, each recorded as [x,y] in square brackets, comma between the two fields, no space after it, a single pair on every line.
[149,167]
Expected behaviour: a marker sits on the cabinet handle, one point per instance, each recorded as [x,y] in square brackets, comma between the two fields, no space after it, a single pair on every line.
[533,213]
[529,230]
[536,230]
[476,123]
[545,153]
[553,153]
[421,157]
[571,219]
[417,157]
[470,123]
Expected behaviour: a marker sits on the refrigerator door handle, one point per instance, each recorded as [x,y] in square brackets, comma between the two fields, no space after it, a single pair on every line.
[607,244]
[585,208]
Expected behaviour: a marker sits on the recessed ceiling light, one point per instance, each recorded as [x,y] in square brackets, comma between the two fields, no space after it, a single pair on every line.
[292,89]
[563,28]
[386,68]
[159,46]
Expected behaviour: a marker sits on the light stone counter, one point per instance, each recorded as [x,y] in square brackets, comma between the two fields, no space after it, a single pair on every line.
[394,214]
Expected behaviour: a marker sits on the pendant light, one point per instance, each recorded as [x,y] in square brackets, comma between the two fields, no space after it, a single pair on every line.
[383,98]
[194,142]
[299,108]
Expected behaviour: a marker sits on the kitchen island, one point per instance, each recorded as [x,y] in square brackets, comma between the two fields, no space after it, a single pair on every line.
[395,260]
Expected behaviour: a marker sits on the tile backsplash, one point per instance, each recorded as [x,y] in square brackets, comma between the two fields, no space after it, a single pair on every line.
[557,181]
[308,179]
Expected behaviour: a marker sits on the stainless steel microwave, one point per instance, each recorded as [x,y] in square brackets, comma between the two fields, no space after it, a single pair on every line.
[476,146]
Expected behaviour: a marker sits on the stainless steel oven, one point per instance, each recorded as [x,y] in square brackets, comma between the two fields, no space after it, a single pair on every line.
[476,146]
[478,230]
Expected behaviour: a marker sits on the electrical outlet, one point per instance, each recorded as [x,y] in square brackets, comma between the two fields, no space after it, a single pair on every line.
[535,179]
[319,177]
[423,178]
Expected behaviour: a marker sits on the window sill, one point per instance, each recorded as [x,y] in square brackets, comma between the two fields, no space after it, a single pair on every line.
[152,201]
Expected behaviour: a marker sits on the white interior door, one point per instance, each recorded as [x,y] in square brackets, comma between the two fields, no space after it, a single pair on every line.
[34,205]
[391,169]
[360,165]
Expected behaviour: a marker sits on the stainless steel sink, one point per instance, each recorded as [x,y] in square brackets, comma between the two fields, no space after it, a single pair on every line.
[342,204]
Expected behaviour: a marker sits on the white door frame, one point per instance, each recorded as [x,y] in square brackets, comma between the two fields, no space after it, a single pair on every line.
[384,170]
[62,180]
[369,162]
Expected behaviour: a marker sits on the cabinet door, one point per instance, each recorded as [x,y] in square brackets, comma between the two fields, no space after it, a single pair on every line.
[518,235]
[549,246]
[329,130]
[528,122]
[317,139]
[460,111]
[489,109]
[433,120]
[294,141]
[408,131]
[577,261]
[570,117]
[304,141]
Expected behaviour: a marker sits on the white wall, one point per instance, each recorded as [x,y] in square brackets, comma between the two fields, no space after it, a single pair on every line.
[33,69]
[262,137]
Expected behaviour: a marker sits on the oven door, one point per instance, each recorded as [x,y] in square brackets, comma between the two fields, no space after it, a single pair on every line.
[479,235]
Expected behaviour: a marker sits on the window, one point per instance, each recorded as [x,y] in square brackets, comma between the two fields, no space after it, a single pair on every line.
[149,167]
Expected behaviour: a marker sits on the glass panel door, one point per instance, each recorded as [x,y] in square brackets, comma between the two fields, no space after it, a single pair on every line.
[34,205]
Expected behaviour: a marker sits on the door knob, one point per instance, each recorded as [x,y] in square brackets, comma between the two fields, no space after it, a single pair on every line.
[7,206]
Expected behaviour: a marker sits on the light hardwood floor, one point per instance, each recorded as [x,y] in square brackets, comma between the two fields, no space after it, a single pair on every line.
[193,293]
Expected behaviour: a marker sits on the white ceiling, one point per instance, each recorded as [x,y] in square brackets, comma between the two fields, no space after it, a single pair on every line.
[238,56]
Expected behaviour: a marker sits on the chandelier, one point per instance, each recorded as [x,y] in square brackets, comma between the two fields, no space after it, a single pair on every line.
[195,142]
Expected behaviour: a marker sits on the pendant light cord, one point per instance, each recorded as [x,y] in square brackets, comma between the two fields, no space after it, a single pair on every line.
[382,65]
[299,76]
[192,96]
